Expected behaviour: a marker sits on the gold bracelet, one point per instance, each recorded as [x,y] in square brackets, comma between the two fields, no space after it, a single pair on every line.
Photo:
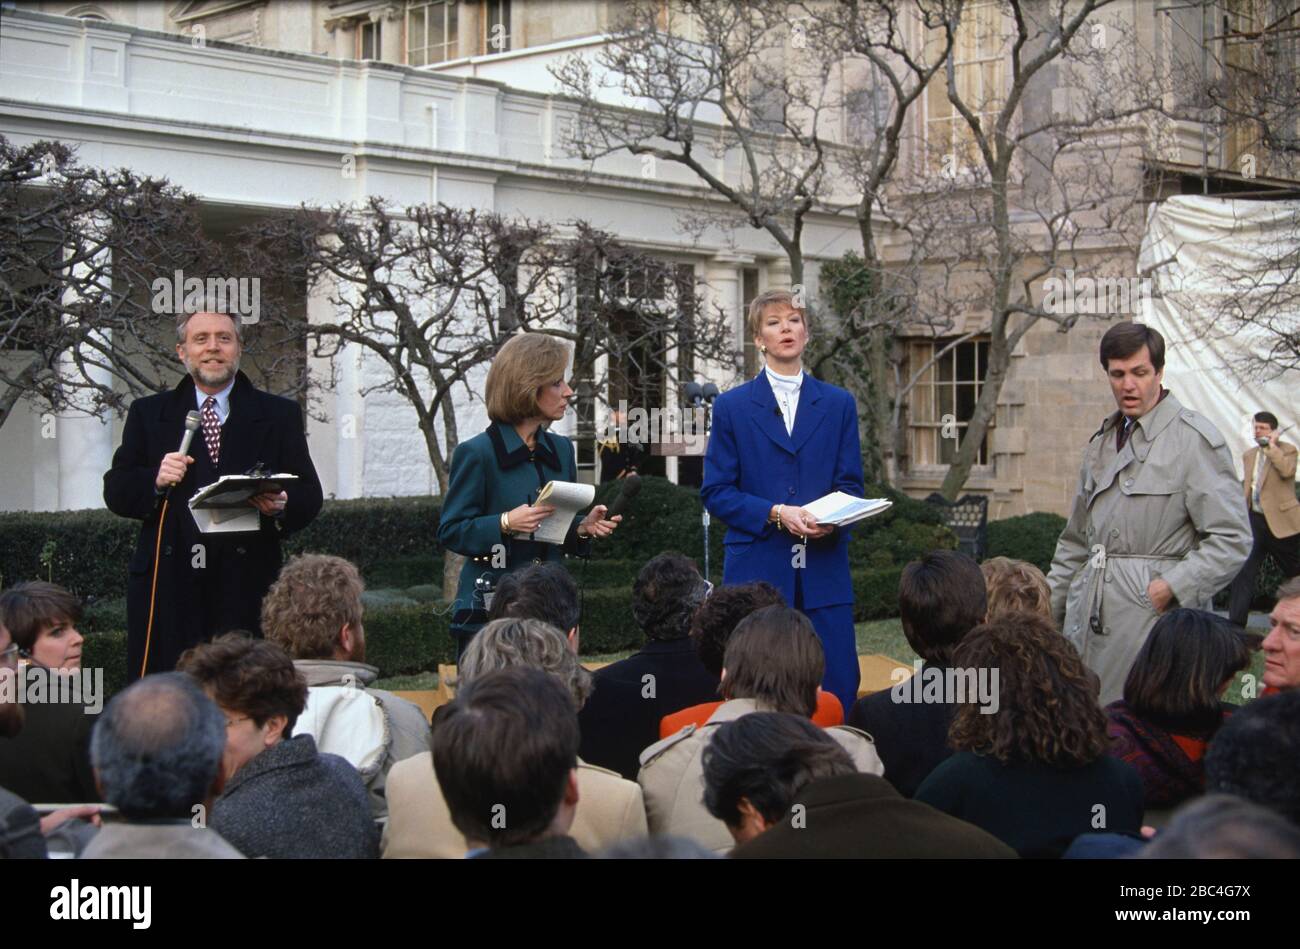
[505,523]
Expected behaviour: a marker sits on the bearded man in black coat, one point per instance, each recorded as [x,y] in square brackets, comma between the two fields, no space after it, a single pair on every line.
[186,586]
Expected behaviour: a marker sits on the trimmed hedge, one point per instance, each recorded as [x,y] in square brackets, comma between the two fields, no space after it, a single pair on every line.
[85,551]
[1030,537]
[393,543]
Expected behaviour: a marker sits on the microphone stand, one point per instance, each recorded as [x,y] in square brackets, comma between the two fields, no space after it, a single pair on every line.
[707,405]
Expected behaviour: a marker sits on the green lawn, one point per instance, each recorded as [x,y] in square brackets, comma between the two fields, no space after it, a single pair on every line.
[878,636]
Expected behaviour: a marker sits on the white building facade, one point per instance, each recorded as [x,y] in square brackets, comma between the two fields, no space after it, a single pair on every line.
[252,130]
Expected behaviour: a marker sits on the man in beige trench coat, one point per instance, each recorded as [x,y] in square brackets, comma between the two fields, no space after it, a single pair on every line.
[1158,521]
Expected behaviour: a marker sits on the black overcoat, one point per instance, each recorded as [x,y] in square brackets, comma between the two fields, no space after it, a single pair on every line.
[213,583]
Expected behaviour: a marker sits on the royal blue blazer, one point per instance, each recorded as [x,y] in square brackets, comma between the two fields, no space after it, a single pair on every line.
[751,464]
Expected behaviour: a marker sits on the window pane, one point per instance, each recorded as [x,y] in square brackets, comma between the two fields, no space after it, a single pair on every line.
[966,362]
[965,402]
[437,34]
[414,30]
[945,401]
[948,448]
[452,33]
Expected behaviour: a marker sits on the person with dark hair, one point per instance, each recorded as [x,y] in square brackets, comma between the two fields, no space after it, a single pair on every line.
[157,752]
[711,629]
[313,612]
[773,662]
[612,807]
[20,827]
[1256,755]
[176,599]
[282,798]
[48,760]
[1157,521]
[511,798]
[632,695]
[1223,827]
[941,598]
[1269,485]
[1033,772]
[1282,644]
[1171,708]
[541,591]
[784,788]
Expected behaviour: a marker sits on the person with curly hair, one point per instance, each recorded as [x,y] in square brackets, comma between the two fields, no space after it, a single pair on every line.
[632,695]
[1171,706]
[1016,585]
[1032,768]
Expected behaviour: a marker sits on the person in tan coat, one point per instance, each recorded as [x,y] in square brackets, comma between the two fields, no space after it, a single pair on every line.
[610,809]
[1157,521]
[773,663]
[1274,512]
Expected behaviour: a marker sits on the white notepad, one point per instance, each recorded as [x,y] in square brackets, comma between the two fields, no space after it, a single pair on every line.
[840,509]
[568,498]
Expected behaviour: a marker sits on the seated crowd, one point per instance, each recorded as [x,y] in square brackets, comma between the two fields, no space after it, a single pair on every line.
[713,739]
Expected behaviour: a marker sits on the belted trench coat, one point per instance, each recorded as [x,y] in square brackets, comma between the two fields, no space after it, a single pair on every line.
[1168,505]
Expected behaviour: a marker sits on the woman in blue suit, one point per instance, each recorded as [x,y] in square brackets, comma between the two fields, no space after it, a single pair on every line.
[488,513]
[778,442]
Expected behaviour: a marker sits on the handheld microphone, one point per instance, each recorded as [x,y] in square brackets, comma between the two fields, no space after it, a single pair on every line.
[631,485]
[191,426]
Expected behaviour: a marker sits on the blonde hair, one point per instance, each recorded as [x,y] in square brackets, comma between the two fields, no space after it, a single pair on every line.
[1015,586]
[311,601]
[526,363]
[766,299]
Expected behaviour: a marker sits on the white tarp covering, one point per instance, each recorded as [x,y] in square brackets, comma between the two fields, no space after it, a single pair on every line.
[1210,244]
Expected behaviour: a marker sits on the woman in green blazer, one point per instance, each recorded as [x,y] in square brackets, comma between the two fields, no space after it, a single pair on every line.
[488,514]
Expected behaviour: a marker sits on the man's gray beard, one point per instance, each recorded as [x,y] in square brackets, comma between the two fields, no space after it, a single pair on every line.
[194,374]
[11,719]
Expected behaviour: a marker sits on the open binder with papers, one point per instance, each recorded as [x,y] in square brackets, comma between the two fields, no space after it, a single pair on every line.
[222,506]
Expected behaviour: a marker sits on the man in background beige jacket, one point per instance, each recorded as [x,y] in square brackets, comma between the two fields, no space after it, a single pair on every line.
[1274,512]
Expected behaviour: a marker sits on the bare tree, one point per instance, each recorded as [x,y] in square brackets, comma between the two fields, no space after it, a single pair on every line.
[85,325]
[432,292]
[727,90]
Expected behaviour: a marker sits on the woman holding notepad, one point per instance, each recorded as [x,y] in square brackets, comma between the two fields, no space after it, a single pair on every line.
[489,513]
[779,442]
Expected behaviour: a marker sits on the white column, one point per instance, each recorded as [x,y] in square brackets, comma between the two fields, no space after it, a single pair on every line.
[84,433]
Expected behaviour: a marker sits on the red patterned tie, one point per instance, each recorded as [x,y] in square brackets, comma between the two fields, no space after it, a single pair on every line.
[212,428]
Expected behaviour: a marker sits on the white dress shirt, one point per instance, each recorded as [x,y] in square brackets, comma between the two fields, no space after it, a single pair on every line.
[786,389]
[223,401]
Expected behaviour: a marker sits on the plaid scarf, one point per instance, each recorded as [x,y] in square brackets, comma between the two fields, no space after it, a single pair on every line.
[1171,766]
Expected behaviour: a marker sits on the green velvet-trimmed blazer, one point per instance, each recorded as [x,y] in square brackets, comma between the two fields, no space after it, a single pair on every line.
[491,473]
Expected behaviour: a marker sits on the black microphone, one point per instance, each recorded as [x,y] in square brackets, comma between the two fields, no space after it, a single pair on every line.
[191,426]
[631,485]
[777,411]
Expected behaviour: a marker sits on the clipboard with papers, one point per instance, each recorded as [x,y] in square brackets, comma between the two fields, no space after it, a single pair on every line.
[222,506]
